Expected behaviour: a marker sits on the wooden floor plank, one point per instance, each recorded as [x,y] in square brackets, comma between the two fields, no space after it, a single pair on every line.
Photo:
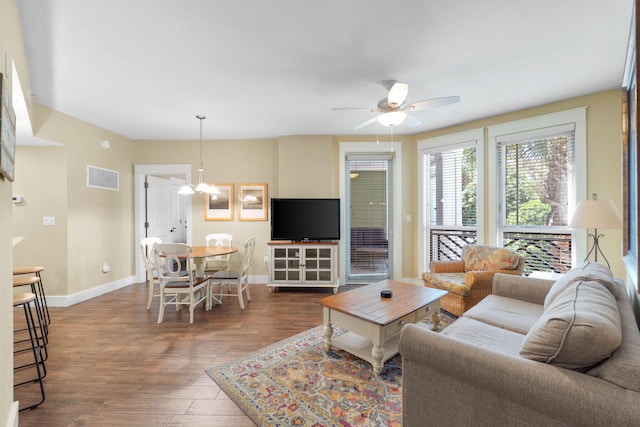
[110,363]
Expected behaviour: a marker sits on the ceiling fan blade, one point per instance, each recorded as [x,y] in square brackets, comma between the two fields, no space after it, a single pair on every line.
[412,121]
[397,94]
[365,124]
[354,109]
[434,102]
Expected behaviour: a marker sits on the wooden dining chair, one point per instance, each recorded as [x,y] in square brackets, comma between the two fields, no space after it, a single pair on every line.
[146,246]
[218,263]
[236,278]
[179,286]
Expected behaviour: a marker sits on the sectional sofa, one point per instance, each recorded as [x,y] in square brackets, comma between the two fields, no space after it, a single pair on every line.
[535,352]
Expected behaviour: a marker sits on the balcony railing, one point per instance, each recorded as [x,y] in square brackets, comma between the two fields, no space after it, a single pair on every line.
[446,244]
[542,251]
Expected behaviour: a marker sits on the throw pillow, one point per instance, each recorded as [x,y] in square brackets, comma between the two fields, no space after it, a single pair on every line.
[623,367]
[488,258]
[588,272]
[580,328]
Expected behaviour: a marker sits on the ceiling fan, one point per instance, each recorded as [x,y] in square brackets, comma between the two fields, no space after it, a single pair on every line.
[393,108]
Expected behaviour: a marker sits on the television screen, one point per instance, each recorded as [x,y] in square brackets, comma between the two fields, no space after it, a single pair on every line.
[305,219]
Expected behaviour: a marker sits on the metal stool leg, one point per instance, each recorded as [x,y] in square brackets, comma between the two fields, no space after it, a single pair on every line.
[32,282]
[40,294]
[24,300]
[43,299]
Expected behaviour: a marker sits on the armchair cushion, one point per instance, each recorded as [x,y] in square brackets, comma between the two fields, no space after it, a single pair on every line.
[483,258]
[452,282]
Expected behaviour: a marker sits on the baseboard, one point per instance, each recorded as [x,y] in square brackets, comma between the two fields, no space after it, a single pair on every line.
[69,300]
[12,420]
[257,279]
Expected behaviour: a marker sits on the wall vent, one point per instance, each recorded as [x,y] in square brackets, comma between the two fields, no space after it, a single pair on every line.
[104,179]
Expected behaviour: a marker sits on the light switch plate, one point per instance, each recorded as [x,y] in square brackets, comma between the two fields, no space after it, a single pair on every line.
[48,220]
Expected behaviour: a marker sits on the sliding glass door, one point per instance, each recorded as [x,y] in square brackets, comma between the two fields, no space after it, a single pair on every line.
[369,242]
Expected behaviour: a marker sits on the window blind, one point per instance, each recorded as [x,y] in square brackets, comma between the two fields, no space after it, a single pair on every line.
[369,192]
[536,177]
[451,185]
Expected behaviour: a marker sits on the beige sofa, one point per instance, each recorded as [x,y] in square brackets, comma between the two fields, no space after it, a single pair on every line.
[535,352]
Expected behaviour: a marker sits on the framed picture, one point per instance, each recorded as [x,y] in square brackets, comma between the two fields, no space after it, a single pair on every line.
[219,207]
[7,131]
[252,202]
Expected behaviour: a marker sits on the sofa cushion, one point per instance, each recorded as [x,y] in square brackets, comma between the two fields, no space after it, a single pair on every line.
[452,282]
[484,335]
[488,258]
[623,367]
[507,313]
[588,272]
[578,329]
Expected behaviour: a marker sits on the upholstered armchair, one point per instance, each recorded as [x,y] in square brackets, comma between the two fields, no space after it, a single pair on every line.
[469,279]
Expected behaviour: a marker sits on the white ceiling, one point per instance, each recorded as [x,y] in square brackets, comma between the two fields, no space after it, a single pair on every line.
[263,69]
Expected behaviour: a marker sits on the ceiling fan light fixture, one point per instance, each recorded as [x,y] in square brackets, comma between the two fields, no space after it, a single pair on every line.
[397,94]
[392,118]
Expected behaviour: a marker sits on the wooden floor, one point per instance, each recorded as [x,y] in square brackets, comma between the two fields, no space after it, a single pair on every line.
[111,364]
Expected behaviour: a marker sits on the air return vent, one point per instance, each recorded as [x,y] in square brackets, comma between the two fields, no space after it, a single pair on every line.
[102,178]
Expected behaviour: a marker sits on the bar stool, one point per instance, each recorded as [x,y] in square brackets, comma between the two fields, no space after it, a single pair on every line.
[37,270]
[43,336]
[24,300]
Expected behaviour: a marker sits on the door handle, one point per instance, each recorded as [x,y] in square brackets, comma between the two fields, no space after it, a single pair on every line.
[172,230]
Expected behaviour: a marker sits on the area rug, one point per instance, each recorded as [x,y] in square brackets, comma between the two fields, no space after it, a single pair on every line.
[294,382]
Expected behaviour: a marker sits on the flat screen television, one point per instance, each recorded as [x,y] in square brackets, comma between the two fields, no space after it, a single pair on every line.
[303,220]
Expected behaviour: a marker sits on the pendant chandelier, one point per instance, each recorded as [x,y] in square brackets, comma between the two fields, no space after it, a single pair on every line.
[202,186]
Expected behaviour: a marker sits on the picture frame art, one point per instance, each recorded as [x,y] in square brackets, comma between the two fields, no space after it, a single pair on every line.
[7,131]
[219,207]
[252,202]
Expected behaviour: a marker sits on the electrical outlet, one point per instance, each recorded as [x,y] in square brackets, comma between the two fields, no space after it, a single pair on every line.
[48,220]
[266,258]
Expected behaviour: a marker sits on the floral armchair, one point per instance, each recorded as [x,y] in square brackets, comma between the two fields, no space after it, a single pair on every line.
[469,280]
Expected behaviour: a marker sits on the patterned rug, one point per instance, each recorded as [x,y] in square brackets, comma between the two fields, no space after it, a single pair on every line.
[294,382]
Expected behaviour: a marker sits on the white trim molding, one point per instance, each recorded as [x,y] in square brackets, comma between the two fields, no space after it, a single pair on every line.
[78,297]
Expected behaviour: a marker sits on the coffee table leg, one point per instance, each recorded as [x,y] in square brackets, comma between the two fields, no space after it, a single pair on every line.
[377,352]
[328,333]
[435,319]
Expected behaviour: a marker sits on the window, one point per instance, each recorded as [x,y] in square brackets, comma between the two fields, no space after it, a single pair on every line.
[536,189]
[630,166]
[450,204]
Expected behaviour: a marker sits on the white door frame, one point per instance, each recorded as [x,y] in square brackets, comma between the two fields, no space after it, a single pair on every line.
[140,171]
[396,226]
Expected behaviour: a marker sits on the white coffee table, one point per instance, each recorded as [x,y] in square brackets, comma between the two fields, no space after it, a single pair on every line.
[373,323]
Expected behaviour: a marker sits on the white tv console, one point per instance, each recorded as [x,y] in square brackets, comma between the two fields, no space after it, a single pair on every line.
[302,264]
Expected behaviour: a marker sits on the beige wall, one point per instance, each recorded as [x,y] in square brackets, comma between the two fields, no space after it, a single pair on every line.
[41,176]
[305,167]
[93,226]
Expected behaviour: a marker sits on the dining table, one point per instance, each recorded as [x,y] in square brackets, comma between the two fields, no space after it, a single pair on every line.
[201,253]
